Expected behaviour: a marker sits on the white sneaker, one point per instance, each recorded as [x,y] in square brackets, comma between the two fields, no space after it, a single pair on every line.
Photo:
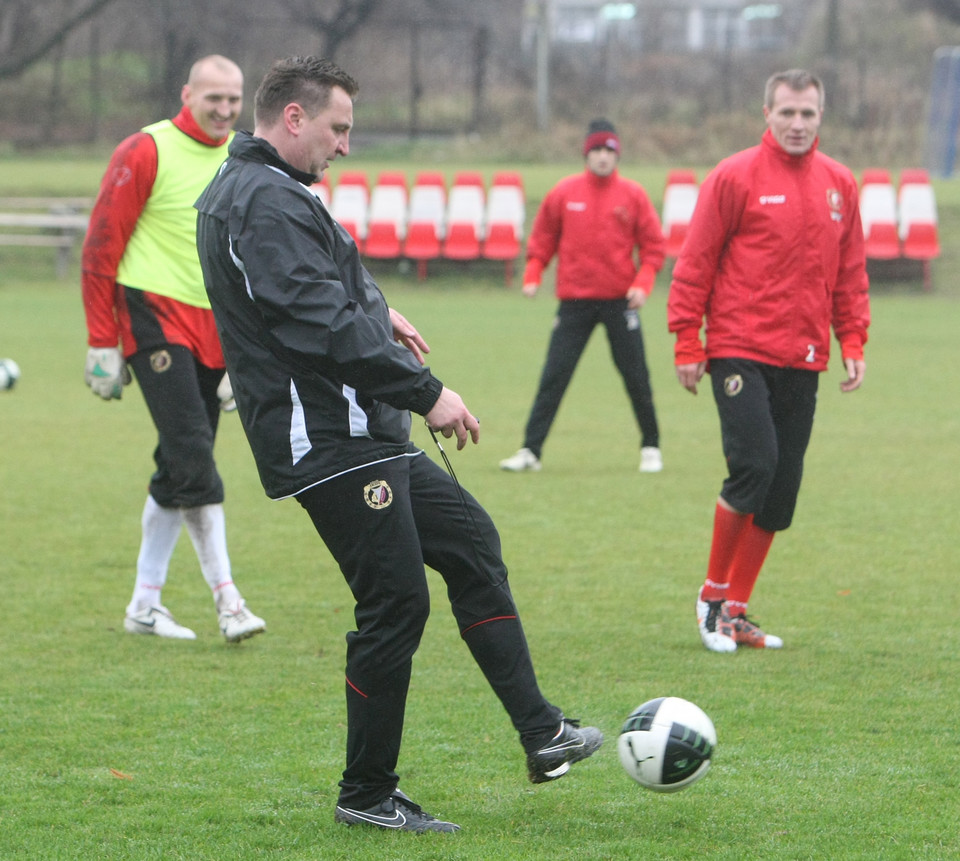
[156,621]
[708,615]
[523,461]
[237,623]
[650,459]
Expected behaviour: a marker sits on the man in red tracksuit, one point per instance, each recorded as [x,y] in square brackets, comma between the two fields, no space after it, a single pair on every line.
[774,257]
[595,223]
[146,309]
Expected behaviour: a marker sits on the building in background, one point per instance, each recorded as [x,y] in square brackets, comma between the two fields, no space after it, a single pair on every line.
[683,26]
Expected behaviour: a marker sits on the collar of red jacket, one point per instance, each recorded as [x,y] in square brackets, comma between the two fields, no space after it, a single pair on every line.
[769,141]
[188,125]
[602,181]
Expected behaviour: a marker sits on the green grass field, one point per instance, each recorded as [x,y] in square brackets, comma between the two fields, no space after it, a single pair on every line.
[844,745]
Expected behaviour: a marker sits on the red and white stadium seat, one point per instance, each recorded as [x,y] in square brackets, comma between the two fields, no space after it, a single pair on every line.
[387,217]
[466,205]
[919,222]
[425,219]
[878,212]
[349,202]
[504,221]
[679,200]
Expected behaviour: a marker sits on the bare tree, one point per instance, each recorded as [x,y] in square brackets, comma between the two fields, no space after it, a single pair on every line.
[180,49]
[333,22]
[31,30]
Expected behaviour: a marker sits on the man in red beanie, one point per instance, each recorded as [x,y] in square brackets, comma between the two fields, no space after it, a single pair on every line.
[597,223]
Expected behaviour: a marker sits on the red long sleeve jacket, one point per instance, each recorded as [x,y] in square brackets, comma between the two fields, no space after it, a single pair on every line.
[124,191]
[596,226]
[774,257]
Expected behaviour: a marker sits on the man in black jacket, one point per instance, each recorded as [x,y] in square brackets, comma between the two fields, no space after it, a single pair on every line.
[325,377]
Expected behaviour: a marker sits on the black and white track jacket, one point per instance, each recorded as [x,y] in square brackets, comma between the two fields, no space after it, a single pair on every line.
[321,385]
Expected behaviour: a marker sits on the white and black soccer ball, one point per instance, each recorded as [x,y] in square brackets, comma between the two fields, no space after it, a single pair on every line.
[666,744]
[9,374]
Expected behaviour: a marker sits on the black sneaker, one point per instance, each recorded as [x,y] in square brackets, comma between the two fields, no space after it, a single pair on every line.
[396,813]
[570,744]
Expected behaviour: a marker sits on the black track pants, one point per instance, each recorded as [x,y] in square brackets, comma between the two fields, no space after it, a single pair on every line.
[766,418]
[383,523]
[181,395]
[573,325]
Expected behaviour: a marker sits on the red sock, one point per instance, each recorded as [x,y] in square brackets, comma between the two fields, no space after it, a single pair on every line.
[728,527]
[752,549]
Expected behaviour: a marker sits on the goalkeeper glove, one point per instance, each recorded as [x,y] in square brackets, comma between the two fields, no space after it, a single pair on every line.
[106,372]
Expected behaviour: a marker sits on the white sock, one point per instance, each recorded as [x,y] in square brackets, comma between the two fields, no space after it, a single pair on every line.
[207,527]
[160,529]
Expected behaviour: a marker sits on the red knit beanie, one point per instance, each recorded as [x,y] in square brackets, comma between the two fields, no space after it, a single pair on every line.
[601,133]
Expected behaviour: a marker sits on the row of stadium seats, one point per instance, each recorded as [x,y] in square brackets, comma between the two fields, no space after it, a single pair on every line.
[468,221]
[899,222]
[427,220]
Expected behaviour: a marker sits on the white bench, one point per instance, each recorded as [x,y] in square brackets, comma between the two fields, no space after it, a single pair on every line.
[45,222]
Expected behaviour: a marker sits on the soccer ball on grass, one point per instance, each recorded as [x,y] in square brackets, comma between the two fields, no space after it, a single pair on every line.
[666,744]
[9,374]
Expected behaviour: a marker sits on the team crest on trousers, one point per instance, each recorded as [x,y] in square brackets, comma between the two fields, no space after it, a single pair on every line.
[160,361]
[378,494]
[733,385]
